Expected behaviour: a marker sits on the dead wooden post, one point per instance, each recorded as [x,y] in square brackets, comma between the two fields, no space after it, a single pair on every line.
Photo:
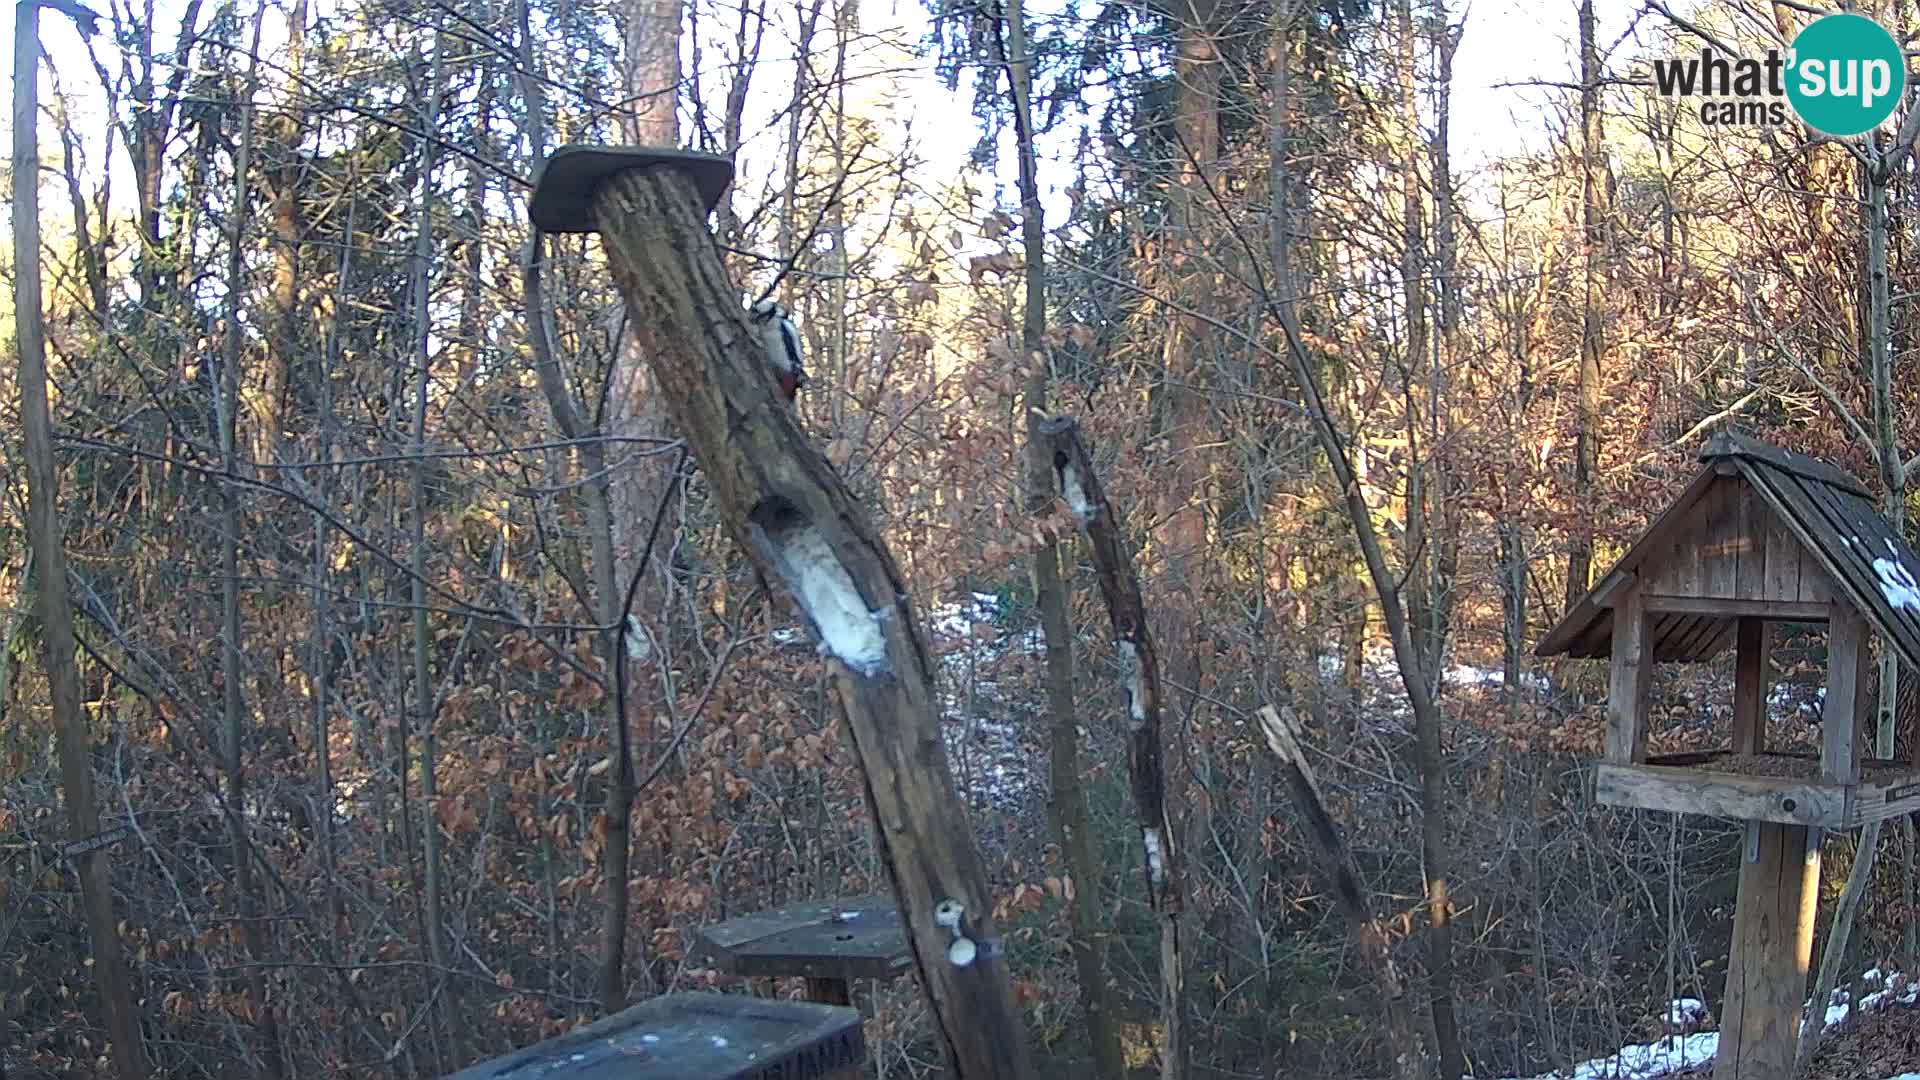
[1140,665]
[784,504]
[687,1036]
[1283,738]
[829,943]
[1761,535]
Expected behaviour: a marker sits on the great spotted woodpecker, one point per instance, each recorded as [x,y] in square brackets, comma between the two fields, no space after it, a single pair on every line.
[781,344]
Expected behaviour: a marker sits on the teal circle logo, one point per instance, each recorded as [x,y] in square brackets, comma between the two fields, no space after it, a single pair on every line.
[1847,75]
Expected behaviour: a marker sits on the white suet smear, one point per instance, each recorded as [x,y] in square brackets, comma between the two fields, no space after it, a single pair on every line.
[962,952]
[1897,584]
[827,594]
[639,647]
[1075,493]
[947,913]
[1156,858]
[1136,684]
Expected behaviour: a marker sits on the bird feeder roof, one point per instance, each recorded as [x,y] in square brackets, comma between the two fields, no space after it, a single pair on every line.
[1756,516]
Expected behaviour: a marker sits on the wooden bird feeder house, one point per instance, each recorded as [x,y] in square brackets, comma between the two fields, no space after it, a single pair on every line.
[1760,536]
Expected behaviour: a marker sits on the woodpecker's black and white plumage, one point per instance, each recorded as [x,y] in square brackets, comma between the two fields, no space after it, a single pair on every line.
[781,343]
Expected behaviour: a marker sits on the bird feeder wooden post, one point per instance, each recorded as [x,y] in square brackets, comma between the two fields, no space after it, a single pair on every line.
[1760,536]
[829,943]
[783,503]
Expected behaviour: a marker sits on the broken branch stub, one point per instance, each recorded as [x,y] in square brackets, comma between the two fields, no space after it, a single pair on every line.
[782,501]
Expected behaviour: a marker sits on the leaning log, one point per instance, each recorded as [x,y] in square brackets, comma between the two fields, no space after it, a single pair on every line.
[1140,672]
[783,502]
[1336,860]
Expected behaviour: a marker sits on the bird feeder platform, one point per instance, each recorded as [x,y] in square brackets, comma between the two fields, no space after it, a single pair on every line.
[827,942]
[695,1037]
[1779,787]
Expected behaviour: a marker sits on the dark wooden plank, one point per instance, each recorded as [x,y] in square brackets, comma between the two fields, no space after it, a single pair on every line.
[1705,629]
[711,1036]
[1736,796]
[1783,554]
[1767,965]
[1685,572]
[1844,711]
[1793,610]
[1889,797]
[1750,686]
[1596,641]
[1667,633]
[1720,539]
[1753,520]
[1721,639]
[1816,585]
[1631,675]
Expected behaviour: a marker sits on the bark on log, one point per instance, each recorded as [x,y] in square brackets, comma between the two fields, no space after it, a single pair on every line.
[1120,586]
[783,502]
[1283,737]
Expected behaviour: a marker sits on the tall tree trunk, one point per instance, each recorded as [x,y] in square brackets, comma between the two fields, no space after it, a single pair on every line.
[45,537]
[1587,402]
[285,202]
[1070,816]
[1180,539]
[651,76]
[1413,359]
[1182,536]
[1446,533]
[231,670]
[609,602]
[1416,681]
[423,708]
[322,666]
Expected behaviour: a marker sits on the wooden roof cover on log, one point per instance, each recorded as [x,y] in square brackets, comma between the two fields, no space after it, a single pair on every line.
[1829,512]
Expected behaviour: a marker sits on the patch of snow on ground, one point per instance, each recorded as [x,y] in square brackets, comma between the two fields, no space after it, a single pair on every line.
[1685,1011]
[1677,1052]
[1669,1055]
[1468,675]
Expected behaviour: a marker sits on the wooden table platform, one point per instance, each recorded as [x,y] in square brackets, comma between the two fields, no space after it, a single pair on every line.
[695,1037]
[828,942]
